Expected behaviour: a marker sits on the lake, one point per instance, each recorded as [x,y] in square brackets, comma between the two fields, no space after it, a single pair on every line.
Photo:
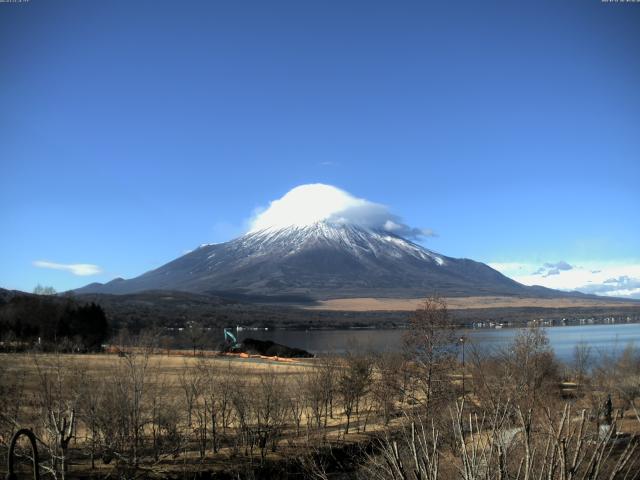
[603,338]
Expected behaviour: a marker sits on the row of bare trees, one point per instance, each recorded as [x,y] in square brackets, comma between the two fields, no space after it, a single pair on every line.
[513,421]
[502,415]
[133,410]
[557,446]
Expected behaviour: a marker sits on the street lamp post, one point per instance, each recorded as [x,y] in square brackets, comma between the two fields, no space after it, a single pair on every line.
[462,340]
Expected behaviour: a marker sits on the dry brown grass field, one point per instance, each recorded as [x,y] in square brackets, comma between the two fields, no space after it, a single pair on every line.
[177,382]
[166,369]
[463,303]
[147,414]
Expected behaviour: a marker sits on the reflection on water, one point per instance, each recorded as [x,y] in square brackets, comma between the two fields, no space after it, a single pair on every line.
[602,338]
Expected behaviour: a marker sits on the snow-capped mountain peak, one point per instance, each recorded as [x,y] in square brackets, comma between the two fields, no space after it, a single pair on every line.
[322,259]
[358,240]
[318,241]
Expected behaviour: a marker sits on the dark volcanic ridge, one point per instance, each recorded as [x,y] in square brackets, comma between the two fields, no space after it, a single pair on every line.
[321,261]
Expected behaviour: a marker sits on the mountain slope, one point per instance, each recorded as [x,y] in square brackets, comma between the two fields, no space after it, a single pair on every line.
[320,261]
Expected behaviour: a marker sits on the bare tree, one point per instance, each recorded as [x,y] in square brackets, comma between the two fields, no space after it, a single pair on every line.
[581,364]
[225,381]
[319,390]
[13,414]
[353,383]
[297,400]
[314,398]
[491,447]
[44,290]
[388,384]
[191,382]
[57,401]
[621,375]
[164,418]
[123,412]
[414,456]
[270,410]
[530,364]
[430,343]
[196,334]
[242,399]
[90,391]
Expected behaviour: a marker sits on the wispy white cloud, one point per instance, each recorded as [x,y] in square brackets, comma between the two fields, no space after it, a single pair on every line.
[549,269]
[614,279]
[80,269]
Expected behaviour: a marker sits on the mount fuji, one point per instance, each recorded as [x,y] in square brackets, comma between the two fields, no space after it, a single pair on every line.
[319,242]
[321,260]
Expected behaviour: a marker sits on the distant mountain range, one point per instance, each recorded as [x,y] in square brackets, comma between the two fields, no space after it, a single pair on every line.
[322,261]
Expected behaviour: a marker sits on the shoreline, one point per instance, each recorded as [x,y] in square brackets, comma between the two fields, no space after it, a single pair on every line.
[456,326]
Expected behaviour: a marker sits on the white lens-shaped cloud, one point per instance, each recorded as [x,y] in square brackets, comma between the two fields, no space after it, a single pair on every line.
[80,269]
[308,204]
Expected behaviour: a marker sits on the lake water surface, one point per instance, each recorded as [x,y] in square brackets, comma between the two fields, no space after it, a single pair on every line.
[605,338]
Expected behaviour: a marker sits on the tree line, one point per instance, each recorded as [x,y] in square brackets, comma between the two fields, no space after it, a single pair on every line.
[49,322]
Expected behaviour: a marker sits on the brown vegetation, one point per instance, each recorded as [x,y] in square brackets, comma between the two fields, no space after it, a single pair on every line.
[408,415]
[464,303]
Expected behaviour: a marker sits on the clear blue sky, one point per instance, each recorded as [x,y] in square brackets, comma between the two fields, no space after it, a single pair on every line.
[132,131]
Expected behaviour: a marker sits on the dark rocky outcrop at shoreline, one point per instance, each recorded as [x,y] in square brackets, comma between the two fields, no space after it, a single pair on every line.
[271,349]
